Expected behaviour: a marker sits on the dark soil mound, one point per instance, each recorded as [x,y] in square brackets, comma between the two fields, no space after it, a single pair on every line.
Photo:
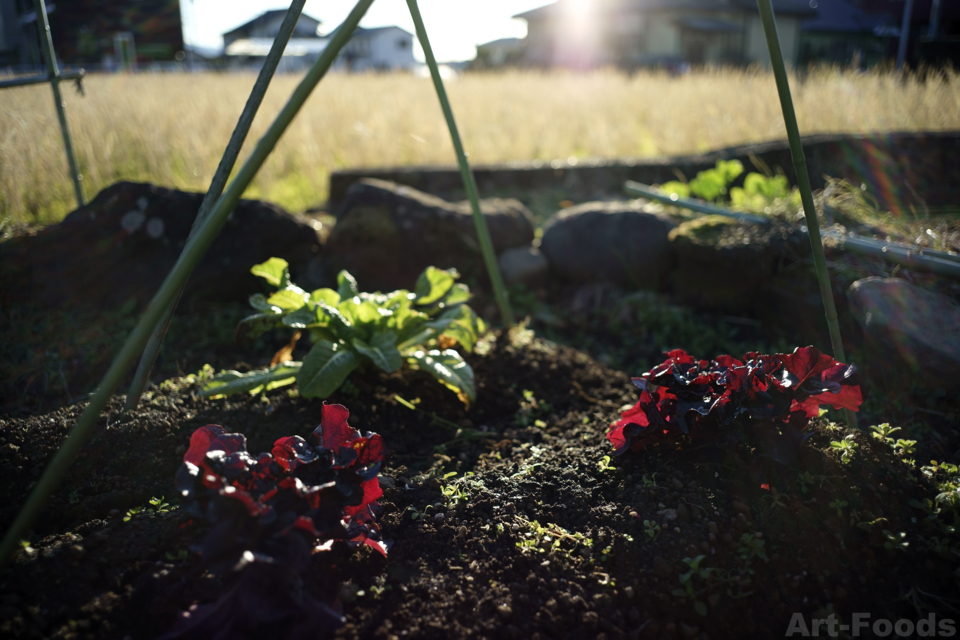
[538,536]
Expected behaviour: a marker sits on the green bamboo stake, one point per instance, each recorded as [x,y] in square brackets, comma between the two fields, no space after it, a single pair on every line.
[192,253]
[803,182]
[53,72]
[469,183]
[149,357]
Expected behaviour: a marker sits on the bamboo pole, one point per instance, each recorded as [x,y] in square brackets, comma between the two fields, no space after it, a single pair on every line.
[803,182]
[149,357]
[469,182]
[191,255]
[53,72]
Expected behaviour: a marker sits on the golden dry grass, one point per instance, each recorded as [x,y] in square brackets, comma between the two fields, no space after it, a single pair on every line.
[171,129]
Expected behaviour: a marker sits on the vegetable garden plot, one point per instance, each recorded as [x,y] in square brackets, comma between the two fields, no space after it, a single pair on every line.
[508,520]
[537,538]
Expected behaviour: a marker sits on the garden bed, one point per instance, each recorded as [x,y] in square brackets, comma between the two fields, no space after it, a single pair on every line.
[550,537]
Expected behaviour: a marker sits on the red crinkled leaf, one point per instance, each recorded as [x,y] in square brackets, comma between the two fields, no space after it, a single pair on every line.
[679,356]
[254,507]
[369,450]
[292,451]
[849,397]
[635,415]
[736,378]
[306,524]
[334,432]
[200,442]
[371,492]
[807,362]
[728,361]
[377,544]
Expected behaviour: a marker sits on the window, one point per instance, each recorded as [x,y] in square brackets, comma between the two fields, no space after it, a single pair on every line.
[403,43]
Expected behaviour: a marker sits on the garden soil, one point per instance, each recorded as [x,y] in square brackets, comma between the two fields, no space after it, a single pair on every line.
[540,534]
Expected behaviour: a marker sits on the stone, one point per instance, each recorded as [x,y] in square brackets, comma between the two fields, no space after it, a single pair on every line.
[723,263]
[525,266]
[387,234]
[120,246]
[619,242]
[910,334]
[662,568]
[668,515]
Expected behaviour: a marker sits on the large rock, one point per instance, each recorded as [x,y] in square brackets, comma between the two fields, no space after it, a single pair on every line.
[525,266]
[387,234]
[121,246]
[616,242]
[910,333]
[723,263]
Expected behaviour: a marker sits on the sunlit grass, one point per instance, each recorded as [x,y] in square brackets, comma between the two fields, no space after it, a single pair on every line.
[171,129]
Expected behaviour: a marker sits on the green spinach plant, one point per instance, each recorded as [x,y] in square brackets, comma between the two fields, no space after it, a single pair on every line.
[349,327]
[757,194]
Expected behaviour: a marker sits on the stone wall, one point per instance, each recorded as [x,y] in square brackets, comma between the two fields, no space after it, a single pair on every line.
[901,170]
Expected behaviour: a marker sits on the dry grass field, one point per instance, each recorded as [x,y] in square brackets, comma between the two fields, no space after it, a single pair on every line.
[171,129]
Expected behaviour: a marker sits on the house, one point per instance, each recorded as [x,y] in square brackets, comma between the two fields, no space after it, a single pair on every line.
[947,30]
[843,33]
[584,34]
[499,53]
[84,30]
[10,33]
[377,49]
[267,25]
[249,44]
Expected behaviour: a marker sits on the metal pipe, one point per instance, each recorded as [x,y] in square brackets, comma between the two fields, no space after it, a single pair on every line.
[645,191]
[41,78]
[469,182]
[149,357]
[932,261]
[191,255]
[803,181]
[46,41]
[941,262]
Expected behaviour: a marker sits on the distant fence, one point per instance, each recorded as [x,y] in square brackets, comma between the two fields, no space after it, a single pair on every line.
[901,170]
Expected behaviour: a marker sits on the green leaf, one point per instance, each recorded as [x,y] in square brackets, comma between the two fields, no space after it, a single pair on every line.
[346,285]
[230,382]
[340,325]
[450,369]
[362,312]
[275,271]
[729,169]
[252,327]
[433,284]
[458,294]
[674,187]
[325,368]
[304,317]
[416,339]
[406,320]
[328,296]
[382,350]
[465,327]
[700,608]
[289,299]
[259,302]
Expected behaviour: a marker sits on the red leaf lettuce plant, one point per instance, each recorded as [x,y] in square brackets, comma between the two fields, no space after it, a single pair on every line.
[269,516]
[770,399]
